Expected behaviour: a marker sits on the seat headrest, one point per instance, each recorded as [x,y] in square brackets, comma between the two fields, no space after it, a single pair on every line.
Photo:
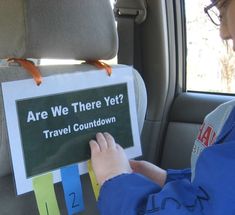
[74,29]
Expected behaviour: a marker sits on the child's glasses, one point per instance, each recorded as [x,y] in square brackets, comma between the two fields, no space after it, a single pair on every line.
[213,13]
[216,10]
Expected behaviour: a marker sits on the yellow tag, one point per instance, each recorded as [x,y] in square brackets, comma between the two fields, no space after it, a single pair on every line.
[94,183]
[45,195]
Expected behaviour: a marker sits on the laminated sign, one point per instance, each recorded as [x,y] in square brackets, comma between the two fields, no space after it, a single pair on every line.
[49,126]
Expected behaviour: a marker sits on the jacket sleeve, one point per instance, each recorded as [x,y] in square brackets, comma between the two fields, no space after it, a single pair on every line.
[126,194]
[134,194]
[173,174]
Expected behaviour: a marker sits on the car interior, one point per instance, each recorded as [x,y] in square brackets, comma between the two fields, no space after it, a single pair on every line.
[144,34]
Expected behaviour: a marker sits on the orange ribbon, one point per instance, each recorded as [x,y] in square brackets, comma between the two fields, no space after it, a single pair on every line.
[101,65]
[30,67]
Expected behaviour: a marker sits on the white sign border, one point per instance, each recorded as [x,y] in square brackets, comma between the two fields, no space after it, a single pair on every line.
[16,90]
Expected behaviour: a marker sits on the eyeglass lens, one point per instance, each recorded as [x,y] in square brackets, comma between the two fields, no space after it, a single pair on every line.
[214,15]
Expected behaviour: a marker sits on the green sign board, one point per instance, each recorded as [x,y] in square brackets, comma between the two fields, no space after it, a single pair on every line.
[56,129]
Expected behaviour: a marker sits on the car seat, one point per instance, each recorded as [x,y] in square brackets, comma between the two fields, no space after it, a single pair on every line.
[36,29]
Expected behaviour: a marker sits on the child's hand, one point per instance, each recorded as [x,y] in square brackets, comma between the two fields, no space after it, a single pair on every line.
[108,158]
[149,170]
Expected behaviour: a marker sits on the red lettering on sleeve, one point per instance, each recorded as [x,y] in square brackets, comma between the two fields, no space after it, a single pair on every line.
[206,135]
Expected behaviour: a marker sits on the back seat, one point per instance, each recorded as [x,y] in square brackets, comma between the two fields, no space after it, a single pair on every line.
[36,29]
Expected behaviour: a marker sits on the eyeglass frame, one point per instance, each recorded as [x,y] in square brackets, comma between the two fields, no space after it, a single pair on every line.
[207,8]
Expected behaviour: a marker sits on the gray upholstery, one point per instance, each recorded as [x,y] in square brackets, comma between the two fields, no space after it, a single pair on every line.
[76,29]
[178,145]
[187,114]
[186,103]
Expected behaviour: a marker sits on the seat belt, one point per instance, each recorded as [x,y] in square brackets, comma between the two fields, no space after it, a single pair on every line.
[128,13]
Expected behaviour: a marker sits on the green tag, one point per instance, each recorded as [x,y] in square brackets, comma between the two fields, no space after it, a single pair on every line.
[45,195]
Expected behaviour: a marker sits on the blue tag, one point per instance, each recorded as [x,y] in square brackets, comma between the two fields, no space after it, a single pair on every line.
[72,189]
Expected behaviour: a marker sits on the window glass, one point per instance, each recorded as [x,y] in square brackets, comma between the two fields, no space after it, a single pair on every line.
[210,61]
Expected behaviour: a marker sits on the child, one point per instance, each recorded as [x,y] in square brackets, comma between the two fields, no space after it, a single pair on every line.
[139,187]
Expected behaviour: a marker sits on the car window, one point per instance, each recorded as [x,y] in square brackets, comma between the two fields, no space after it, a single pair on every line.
[210,61]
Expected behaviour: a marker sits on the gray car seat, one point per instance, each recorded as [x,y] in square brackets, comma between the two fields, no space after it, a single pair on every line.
[36,29]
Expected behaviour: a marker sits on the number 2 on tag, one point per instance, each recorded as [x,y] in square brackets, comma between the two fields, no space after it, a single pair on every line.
[74,200]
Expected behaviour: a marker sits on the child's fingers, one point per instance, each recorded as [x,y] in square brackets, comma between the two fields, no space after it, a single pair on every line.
[94,147]
[133,163]
[101,141]
[118,147]
[110,140]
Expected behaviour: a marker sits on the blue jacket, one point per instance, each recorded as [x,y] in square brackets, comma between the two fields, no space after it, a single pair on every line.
[211,192]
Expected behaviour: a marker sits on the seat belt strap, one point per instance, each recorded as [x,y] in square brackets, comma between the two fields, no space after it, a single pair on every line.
[125,27]
[128,13]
